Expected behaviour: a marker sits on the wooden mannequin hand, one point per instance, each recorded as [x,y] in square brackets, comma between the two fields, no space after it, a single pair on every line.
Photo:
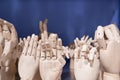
[108,38]
[29,59]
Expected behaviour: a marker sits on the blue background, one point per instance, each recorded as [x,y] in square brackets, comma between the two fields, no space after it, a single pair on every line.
[68,18]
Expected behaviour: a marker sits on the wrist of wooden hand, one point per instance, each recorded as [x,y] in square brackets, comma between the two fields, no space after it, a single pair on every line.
[110,76]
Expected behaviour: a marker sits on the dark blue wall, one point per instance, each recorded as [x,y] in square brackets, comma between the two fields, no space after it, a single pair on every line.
[69,18]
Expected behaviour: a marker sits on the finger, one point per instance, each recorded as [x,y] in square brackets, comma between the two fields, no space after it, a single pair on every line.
[31,45]
[42,56]
[38,50]
[84,48]
[1,35]
[113,26]
[45,29]
[71,53]
[54,54]
[100,37]
[20,39]
[43,51]
[76,43]
[86,38]
[48,51]
[89,41]
[42,37]
[109,34]
[42,30]
[84,51]
[45,35]
[1,40]
[45,24]
[21,42]
[6,32]
[114,29]
[67,53]
[59,47]
[53,40]
[41,27]
[53,43]
[14,36]
[64,49]
[59,43]
[77,40]
[26,46]
[77,52]
[92,53]
[48,55]
[34,48]
[95,35]
[24,39]
[83,38]
[100,32]
[1,49]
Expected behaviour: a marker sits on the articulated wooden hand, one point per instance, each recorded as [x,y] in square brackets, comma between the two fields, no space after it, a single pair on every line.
[86,62]
[29,59]
[51,60]
[108,38]
[8,43]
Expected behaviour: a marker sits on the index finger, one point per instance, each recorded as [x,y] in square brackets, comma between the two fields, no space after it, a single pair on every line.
[45,29]
[41,27]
